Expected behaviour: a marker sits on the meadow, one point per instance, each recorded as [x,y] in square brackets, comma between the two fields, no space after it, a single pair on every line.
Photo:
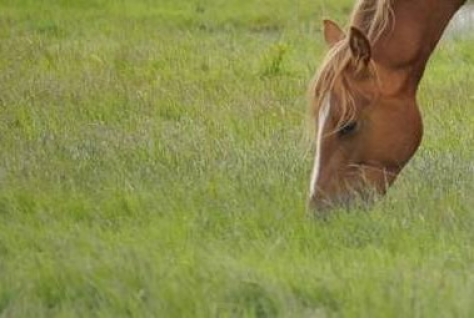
[155,160]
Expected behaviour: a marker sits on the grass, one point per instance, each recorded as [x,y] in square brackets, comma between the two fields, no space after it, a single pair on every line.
[154,161]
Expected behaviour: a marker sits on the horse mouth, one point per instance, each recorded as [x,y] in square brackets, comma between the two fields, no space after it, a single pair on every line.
[364,184]
[346,200]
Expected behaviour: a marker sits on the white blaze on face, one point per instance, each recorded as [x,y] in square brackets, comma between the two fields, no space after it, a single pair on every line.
[322,117]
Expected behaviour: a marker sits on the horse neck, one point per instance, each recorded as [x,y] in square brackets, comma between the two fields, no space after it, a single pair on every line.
[403,50]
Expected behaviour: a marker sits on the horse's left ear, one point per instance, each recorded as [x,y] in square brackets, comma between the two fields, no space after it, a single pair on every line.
[359,45]
[332,32]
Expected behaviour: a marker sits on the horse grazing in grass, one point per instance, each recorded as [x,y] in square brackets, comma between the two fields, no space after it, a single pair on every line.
[363,97]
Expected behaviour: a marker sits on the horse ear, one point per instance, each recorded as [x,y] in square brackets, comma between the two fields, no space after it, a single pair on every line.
[359,45]
[332,32]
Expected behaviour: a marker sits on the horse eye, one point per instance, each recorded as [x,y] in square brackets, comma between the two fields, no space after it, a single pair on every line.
[347,128]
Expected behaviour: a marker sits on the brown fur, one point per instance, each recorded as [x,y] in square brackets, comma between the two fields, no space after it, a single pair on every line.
[373,17]
[370,77]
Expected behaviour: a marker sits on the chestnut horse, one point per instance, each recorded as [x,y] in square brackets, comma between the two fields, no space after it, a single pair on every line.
[364,95]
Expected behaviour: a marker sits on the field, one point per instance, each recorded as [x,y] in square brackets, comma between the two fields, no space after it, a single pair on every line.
[155,160]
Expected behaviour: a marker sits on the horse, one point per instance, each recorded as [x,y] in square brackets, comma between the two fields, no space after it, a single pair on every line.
[363,96]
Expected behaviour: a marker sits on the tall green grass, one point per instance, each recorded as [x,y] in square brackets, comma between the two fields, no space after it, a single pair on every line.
[154,161]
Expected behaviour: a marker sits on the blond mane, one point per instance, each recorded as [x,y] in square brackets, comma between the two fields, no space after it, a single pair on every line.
[372,17]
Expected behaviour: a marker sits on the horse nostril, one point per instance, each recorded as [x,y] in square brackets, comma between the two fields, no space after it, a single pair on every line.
[316,202]
[311,202]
